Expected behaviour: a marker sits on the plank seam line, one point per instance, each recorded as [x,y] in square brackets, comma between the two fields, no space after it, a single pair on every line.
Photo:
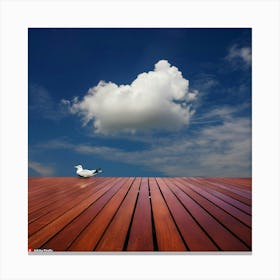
[221,207]
[44,200]
[231,203]
[233,189]
[239,186]
[155,243]
[96,215]
[195,220]
[131,220]
[225,186]
[56,200]
[245,204]
[103,186]
[185,243]
[97,243]
[64,213]
[249,247]
[77,218]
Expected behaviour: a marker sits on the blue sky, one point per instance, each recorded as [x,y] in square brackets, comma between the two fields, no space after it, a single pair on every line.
[140,102]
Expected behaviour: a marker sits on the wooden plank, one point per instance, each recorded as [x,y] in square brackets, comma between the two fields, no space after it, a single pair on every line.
[51,183]
[56,192]
[141,233]
[219,234]
[242,192]
[115,235]
[240,230]
[64,238]
[244,200]
[195,238]
[61,187]
[243,183]
[49,230]
[222,197]
[37,180]
[168,237]
[72,201]
[237,182]
[235,212]
[54,205]
[38,193]
[233,185]
[116,214]
[89,237]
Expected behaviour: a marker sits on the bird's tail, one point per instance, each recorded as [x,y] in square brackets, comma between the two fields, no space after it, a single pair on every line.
[98,170]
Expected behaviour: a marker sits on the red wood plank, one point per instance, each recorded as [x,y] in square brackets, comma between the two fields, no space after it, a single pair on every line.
[240,230]
[168,237]
[36,183]
[222,197]
[245,200]
[38,194]
[235,212]
[242,192]
[90,236]
[114,237]
[241,183]
[36,187]
[48,194]
[63,239]
[49,230]
[71,202]
[222,237]
[54,206]
[246,182]
[195,238]
[38,180]
[114,216]
[141,234]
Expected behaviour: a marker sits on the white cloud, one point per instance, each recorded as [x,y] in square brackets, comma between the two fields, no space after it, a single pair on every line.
[43,104]
[159,99]
[205,82]
[219,150]
[237,55]
[40,168]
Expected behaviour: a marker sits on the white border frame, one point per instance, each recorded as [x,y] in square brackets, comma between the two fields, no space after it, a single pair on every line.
[262,16]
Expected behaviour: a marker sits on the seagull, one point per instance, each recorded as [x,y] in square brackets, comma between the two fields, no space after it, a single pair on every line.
[85,173]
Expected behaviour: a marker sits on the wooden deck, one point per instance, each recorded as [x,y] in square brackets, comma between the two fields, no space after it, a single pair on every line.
[139,214]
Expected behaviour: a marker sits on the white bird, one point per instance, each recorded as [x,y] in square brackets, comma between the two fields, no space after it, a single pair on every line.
[85,173]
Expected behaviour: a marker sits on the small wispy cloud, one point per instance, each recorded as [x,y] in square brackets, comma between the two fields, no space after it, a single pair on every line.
[239,56]
[205,82]
[41,169]
[220,114]
[156,100]
[42,103]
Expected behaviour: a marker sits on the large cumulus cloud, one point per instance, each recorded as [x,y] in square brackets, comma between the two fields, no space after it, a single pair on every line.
[156,100]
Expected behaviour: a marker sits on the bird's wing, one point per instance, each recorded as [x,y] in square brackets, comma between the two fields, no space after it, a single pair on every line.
[85,172]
